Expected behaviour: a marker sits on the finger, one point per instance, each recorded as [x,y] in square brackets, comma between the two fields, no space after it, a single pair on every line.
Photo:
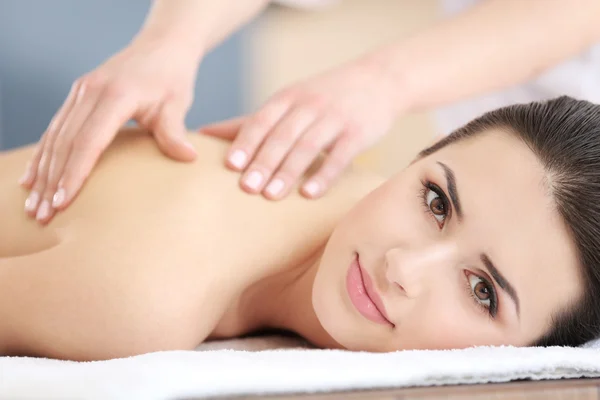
[56,155]
[28,177]
[55,124]
[32,203]
[35,202]
[304,152]
[227,130]
[170,133]
[88,145]
[252,133]
[40,163]
[275,147]
[342,154]
[63,146]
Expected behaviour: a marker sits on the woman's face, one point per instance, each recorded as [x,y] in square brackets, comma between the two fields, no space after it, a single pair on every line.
[462,248]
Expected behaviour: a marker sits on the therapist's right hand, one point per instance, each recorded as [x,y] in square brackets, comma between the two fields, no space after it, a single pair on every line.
[149,81]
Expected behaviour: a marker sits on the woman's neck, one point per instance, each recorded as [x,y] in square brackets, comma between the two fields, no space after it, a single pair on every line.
[284,301]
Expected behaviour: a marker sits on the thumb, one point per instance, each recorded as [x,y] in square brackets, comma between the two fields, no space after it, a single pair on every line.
[170,133]
[227,130]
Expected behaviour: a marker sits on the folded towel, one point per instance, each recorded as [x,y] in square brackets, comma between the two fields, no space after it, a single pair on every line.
[275,364]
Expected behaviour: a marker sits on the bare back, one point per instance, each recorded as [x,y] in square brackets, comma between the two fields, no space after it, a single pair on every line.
[151,252]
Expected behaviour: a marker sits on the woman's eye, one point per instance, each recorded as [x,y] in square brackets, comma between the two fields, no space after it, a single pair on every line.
[484,294]
[436,205]
[481,290]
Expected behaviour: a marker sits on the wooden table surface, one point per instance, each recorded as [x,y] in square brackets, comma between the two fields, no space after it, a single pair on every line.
[565,389]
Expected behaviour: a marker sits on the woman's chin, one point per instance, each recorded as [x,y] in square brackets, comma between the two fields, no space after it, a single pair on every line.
[338,324]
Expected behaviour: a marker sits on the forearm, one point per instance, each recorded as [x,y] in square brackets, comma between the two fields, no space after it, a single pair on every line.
[495,44]
[197,25]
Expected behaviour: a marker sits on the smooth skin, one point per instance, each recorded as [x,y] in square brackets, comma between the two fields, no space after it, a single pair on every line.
[492,45]
[159,255]
[151,254]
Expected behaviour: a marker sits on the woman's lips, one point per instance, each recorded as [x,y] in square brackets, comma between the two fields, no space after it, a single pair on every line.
[363,296]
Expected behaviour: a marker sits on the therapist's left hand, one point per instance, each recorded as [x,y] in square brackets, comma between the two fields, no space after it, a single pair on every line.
[342,112]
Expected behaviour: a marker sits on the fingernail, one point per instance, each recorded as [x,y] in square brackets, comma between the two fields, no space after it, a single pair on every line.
[43,211]
[58,198]
[32,201]
[312,188]
[275,187]
[253,180]
[238,159]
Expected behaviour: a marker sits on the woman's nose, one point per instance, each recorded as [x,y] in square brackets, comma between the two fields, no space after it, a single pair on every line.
[413,268]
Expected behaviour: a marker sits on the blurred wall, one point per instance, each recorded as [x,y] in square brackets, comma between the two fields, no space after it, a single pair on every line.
[46,45]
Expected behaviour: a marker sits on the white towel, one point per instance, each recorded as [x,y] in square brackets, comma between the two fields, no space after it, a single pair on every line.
[274,365]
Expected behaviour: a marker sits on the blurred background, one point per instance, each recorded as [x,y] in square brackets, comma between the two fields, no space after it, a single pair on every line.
[46,45]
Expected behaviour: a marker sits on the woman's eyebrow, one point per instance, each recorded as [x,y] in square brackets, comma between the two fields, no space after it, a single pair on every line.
[452,190]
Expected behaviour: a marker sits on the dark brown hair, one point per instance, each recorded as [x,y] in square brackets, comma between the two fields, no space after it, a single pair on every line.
[564,134]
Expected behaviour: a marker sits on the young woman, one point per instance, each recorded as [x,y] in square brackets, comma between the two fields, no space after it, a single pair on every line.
[490,237]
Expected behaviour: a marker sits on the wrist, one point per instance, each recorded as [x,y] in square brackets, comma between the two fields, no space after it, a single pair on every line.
[393,77]
[180,43]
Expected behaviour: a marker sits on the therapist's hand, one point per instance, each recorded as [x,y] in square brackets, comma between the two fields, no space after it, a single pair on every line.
[150,81]
[342,112]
